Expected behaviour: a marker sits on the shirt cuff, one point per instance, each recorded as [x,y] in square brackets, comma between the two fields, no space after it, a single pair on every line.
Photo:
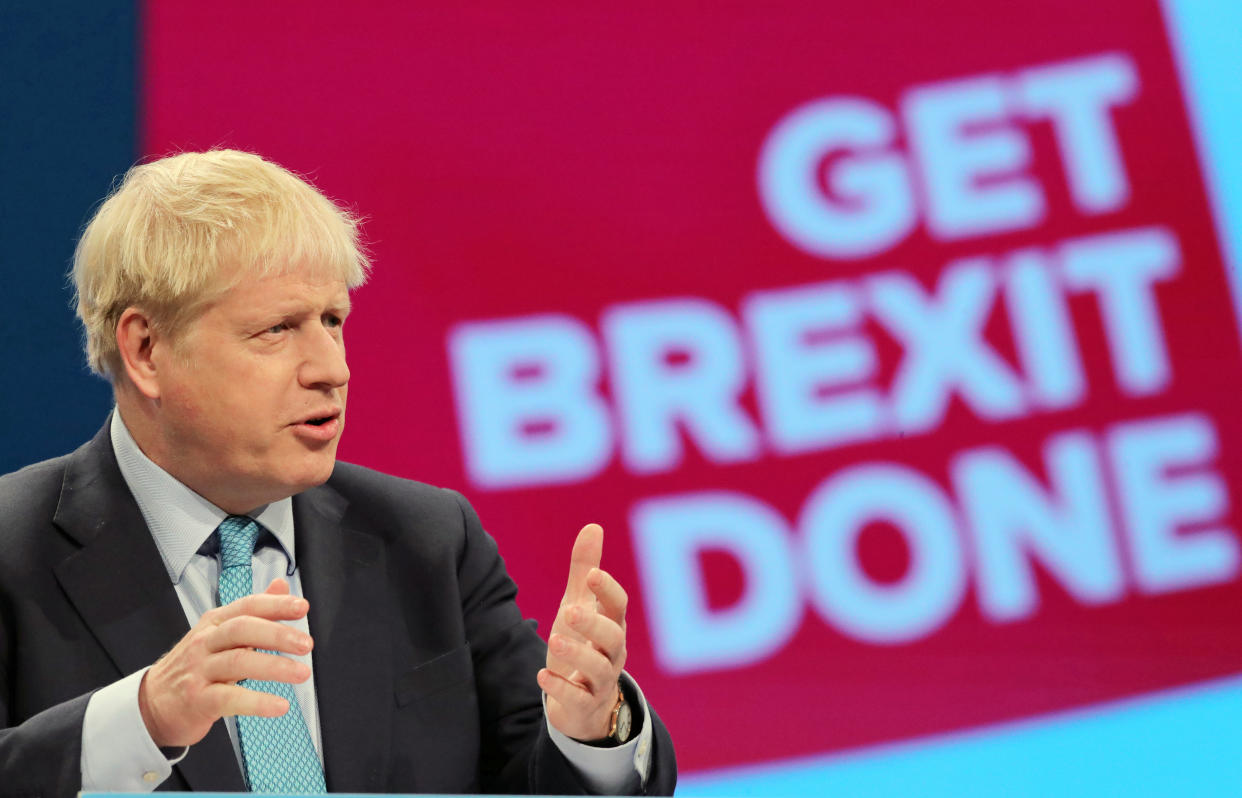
[118,754]
[608,771]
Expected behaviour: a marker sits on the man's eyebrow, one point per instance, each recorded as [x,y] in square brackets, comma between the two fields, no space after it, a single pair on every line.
[302,308]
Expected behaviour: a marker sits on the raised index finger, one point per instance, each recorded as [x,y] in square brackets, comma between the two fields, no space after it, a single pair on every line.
[588,549]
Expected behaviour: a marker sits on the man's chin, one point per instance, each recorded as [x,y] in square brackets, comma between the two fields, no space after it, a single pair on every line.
[313,475]
[293,471]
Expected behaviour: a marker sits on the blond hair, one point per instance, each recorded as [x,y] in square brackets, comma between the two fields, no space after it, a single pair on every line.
[178,232]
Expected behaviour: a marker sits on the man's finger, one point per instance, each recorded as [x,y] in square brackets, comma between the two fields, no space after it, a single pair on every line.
[587,551]
[558,663]
[570,694]
[278,587]
[573,710]
[600,631]
[238,664]
[248,631]
[273,606]
[233,699]
[582,664]
[612,598]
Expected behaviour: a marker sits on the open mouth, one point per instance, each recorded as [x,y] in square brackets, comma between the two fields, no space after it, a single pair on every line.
[319,429]
[325,424]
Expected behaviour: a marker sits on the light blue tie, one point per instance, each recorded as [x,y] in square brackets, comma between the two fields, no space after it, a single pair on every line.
[278,753]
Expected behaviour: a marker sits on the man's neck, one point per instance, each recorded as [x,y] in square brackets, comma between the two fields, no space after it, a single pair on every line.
[141,418]
[138,414]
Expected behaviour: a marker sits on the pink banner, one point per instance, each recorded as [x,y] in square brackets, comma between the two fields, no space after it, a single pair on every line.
[894,351]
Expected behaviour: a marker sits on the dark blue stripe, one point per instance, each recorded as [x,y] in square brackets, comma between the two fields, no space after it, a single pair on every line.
[69,98]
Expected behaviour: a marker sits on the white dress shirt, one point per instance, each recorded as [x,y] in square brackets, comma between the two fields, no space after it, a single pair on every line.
[117,751]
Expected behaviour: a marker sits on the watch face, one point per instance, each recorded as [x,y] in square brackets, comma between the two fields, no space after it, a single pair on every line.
[624,719]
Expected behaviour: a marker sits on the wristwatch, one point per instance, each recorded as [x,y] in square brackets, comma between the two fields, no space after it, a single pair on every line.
[622,720]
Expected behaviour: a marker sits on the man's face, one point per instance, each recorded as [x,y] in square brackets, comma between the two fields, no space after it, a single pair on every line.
[252,392]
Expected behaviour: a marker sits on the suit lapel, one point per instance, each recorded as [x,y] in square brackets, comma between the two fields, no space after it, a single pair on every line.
[344,579]
[118,585]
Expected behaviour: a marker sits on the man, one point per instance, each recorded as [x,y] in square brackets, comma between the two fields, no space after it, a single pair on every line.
[203,598]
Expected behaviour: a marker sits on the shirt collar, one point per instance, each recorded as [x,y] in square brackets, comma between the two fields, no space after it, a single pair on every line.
[179,519]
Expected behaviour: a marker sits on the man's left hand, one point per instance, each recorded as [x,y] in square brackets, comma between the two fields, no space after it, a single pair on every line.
[586,649]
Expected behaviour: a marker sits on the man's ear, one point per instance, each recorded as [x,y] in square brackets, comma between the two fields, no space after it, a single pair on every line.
[135,339]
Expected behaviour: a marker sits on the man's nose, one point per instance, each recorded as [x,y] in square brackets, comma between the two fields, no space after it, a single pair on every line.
[324,360]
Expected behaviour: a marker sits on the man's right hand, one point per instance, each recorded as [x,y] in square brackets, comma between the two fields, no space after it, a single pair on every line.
[191,687]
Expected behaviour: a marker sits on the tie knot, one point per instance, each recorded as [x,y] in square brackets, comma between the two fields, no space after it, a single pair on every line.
[238,534]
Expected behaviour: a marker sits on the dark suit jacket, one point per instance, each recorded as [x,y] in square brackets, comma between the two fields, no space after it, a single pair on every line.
[424,667]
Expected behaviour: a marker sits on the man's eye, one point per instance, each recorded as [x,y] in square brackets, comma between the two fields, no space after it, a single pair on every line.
[332,321]
[277,328]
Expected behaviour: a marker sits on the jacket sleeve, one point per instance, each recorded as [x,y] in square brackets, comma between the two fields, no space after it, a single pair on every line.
[41,756]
